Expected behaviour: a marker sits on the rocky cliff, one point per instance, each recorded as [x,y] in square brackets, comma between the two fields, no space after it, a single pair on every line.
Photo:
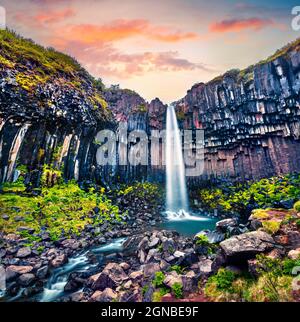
[51,110]
[251,118]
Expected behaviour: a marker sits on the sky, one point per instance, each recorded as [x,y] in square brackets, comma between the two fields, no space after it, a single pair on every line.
[159,48]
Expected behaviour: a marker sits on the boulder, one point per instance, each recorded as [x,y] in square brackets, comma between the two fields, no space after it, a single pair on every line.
[153,242]
[106,296]
[13,271]
[172,278]
[42,272]
[205,267]
[136,276]
[294,254]
[224,224]
[247,245]
[59,260]
[190,282]
[150,268]
[70,243]
[26,279]
[111,276]
[24,252]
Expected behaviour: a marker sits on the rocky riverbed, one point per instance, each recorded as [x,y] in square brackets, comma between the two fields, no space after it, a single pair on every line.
[150,265]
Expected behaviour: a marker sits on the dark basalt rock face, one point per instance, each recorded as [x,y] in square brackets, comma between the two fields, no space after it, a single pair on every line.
[251,119]
[49,115]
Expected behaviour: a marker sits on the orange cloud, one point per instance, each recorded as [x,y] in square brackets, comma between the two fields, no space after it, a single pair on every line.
[237,25]
[121,29]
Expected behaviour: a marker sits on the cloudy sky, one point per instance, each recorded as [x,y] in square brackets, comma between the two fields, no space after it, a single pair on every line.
[159,48]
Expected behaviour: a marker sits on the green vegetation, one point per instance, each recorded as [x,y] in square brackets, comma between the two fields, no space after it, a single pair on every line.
[147,191]
[158,279]
[203,241]
[265,193]
[297,206]
[271,227]
[62,209]
[274,282]
[178,269]
[177,290]
[36,65]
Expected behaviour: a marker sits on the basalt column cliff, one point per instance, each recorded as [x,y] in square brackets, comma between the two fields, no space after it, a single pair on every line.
[251,118]
[51,110]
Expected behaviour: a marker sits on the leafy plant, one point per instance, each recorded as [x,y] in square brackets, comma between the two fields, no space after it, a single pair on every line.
[159,278]
[177,290]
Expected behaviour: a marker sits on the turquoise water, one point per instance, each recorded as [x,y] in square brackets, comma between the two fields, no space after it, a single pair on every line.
[190,225]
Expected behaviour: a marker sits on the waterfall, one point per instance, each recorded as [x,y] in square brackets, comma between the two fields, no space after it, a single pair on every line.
[175,170]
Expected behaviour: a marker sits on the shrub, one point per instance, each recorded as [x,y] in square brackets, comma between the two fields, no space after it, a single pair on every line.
[177,290]
[202,240]
[223,279]
[158,279]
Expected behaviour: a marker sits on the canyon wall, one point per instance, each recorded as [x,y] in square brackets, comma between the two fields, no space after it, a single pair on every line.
[51,110]
[250,118]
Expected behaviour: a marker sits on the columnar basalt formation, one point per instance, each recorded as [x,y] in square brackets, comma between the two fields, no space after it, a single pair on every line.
[51,110]
[251,118]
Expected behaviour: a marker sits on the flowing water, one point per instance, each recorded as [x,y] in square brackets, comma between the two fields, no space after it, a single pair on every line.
[58,280]
[178,216]
[176,186]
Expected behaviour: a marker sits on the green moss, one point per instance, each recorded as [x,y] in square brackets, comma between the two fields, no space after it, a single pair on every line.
[150,192]
[61,209]
[297,206]
[265,193]
[271,227]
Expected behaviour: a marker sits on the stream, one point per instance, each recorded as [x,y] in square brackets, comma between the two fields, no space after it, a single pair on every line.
[184,223]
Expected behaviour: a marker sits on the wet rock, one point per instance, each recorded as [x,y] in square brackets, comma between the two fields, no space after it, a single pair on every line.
[2,253]
[59,260]
[24,252]
[247,245]
[18,218]
[26,279]
[13,271]
[27,229]
[224,224]
[287,204]
[42,272]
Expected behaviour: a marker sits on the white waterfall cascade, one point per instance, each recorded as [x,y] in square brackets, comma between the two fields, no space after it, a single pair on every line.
[177,200]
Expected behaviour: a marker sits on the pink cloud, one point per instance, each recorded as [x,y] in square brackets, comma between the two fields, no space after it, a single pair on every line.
[237,25]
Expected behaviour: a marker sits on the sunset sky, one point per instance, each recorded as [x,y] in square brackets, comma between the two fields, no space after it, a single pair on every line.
[158,48]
